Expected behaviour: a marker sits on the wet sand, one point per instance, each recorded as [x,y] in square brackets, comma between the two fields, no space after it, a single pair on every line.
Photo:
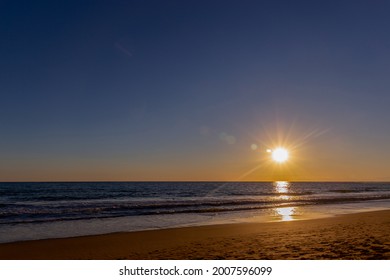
[351,236]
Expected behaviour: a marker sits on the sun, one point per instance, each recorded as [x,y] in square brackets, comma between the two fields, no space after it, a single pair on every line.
[280,155]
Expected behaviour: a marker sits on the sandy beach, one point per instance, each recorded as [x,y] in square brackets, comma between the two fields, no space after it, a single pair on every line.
[351,236]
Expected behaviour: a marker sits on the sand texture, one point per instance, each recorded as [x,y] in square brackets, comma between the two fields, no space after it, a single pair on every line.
[353,236]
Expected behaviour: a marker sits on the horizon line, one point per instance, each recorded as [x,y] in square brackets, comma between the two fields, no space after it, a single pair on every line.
[201,181]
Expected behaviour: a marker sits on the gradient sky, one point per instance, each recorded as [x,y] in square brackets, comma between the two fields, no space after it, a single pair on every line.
[194,90]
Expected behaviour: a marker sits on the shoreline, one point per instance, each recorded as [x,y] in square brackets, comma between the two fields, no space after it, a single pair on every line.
[361,235]
[92,227]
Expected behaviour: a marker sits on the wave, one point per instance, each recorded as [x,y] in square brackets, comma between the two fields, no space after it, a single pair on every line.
[16,215]
[356,191]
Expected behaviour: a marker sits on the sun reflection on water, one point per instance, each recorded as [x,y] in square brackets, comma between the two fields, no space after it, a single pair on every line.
[282,186]
[286,213]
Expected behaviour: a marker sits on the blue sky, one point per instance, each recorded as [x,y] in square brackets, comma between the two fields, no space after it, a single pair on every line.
[181,90]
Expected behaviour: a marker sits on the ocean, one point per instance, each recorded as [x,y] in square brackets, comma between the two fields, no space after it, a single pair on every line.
[30,211]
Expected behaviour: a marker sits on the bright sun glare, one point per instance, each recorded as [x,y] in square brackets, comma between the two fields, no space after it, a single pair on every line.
[280,155]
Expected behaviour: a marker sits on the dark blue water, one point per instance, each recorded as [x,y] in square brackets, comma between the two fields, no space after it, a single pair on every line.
[39,202]
[34,206]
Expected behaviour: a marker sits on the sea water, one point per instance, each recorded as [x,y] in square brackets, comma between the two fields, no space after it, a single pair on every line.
[36,210]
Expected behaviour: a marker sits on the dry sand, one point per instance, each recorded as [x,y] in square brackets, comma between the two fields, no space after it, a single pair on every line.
[353,236]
